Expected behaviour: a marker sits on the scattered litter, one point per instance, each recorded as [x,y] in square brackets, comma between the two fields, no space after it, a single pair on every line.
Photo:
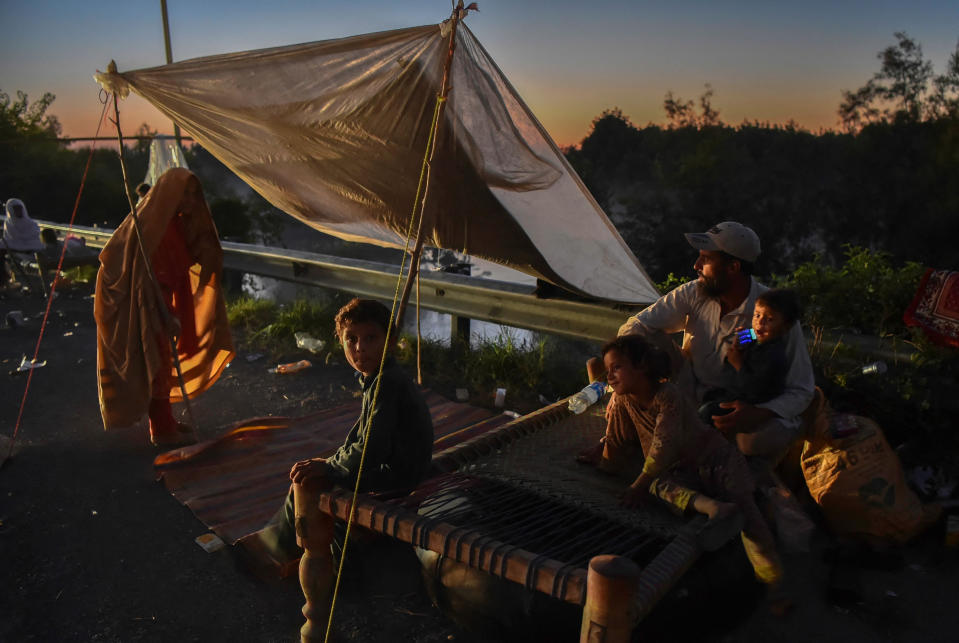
[932,482]
[512,414]
[543,400]
[916,567]
[210,542]
[891,593]
[15,318]
[252,357]
[307,341]
[921,478]
[291,368]
[93,512]
[500,398]
[26,365]
[407,612]
[69,333]
[462,394]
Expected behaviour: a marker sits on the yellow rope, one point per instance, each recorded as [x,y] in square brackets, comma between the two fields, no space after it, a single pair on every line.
[389,331]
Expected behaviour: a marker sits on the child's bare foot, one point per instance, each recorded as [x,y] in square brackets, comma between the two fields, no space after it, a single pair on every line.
[591,456]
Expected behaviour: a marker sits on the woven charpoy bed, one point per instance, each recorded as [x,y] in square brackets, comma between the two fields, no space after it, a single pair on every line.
[515,504]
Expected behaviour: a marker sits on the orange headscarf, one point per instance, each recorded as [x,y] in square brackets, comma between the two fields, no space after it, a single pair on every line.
[127,307]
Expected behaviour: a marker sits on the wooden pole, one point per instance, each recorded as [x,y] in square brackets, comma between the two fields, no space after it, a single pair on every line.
[455,18]
[611,584]
[169,57]
[314,533]
[164,313]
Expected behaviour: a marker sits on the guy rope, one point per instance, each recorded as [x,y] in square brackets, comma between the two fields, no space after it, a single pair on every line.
[56,280]
[399,302]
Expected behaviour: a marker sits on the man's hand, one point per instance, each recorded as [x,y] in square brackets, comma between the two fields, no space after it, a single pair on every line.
[307,469]
[735,356]
[744,417]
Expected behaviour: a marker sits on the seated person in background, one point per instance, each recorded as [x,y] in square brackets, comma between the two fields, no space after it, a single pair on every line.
[755,369]
[394,424]
[681,453]
[77,253]
[20,234]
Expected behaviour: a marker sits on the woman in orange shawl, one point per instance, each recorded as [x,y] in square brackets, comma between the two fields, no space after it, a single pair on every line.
[135,371]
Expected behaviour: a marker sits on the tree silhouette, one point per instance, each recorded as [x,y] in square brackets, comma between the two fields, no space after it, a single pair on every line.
[900,90]
[682,113]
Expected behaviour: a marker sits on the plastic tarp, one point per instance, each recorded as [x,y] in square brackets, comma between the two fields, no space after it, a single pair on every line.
[334,134]
[165,153]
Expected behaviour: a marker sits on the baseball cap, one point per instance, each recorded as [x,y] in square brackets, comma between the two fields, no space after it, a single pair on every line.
[730,237]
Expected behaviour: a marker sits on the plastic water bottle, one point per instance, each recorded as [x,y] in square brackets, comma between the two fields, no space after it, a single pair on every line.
[587,397]
[307,341]
[874,368]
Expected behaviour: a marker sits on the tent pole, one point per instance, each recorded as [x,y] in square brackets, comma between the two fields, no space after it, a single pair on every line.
[164,313]
[458,13]
[169,57]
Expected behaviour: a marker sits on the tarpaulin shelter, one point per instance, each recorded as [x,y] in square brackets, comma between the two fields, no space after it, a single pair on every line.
[333,133]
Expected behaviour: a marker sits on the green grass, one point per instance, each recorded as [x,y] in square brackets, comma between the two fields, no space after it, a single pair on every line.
[261,325]
[546,366]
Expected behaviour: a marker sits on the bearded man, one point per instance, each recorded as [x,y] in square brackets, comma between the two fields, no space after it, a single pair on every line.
[708,312]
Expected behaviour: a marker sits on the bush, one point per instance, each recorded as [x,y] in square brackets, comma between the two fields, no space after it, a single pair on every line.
[867,294]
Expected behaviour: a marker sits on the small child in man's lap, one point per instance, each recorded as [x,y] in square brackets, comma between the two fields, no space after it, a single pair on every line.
[755,369]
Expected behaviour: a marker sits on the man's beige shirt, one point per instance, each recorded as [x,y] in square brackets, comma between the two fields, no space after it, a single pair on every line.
[685,309]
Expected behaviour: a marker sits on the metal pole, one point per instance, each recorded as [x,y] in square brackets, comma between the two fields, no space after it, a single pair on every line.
[169,57]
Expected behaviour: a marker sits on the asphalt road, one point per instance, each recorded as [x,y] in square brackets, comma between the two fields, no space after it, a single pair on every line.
[92,548]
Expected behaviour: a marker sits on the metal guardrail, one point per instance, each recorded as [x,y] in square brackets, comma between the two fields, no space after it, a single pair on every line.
[468,297]
[460,295]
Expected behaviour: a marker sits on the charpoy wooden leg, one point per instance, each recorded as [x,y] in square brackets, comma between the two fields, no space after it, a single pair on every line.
[611,585]
[314,533]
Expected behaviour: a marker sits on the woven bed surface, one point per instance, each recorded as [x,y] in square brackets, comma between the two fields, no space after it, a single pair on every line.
[544,463]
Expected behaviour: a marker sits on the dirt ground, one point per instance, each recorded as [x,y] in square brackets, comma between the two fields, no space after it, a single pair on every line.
[92,548]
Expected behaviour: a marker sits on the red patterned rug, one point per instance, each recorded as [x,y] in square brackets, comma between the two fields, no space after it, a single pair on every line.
[235,482]
[935,307]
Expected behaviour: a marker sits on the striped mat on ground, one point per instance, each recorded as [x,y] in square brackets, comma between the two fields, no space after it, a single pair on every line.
[235,483]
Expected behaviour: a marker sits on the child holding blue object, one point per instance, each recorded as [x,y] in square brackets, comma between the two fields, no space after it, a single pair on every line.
[756,363]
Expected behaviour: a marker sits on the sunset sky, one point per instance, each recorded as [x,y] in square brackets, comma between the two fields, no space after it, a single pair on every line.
[767,61]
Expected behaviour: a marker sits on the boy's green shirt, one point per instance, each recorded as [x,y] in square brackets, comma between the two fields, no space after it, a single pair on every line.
[400,436]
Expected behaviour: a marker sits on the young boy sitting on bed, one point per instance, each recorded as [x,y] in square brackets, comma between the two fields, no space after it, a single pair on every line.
[396,426]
